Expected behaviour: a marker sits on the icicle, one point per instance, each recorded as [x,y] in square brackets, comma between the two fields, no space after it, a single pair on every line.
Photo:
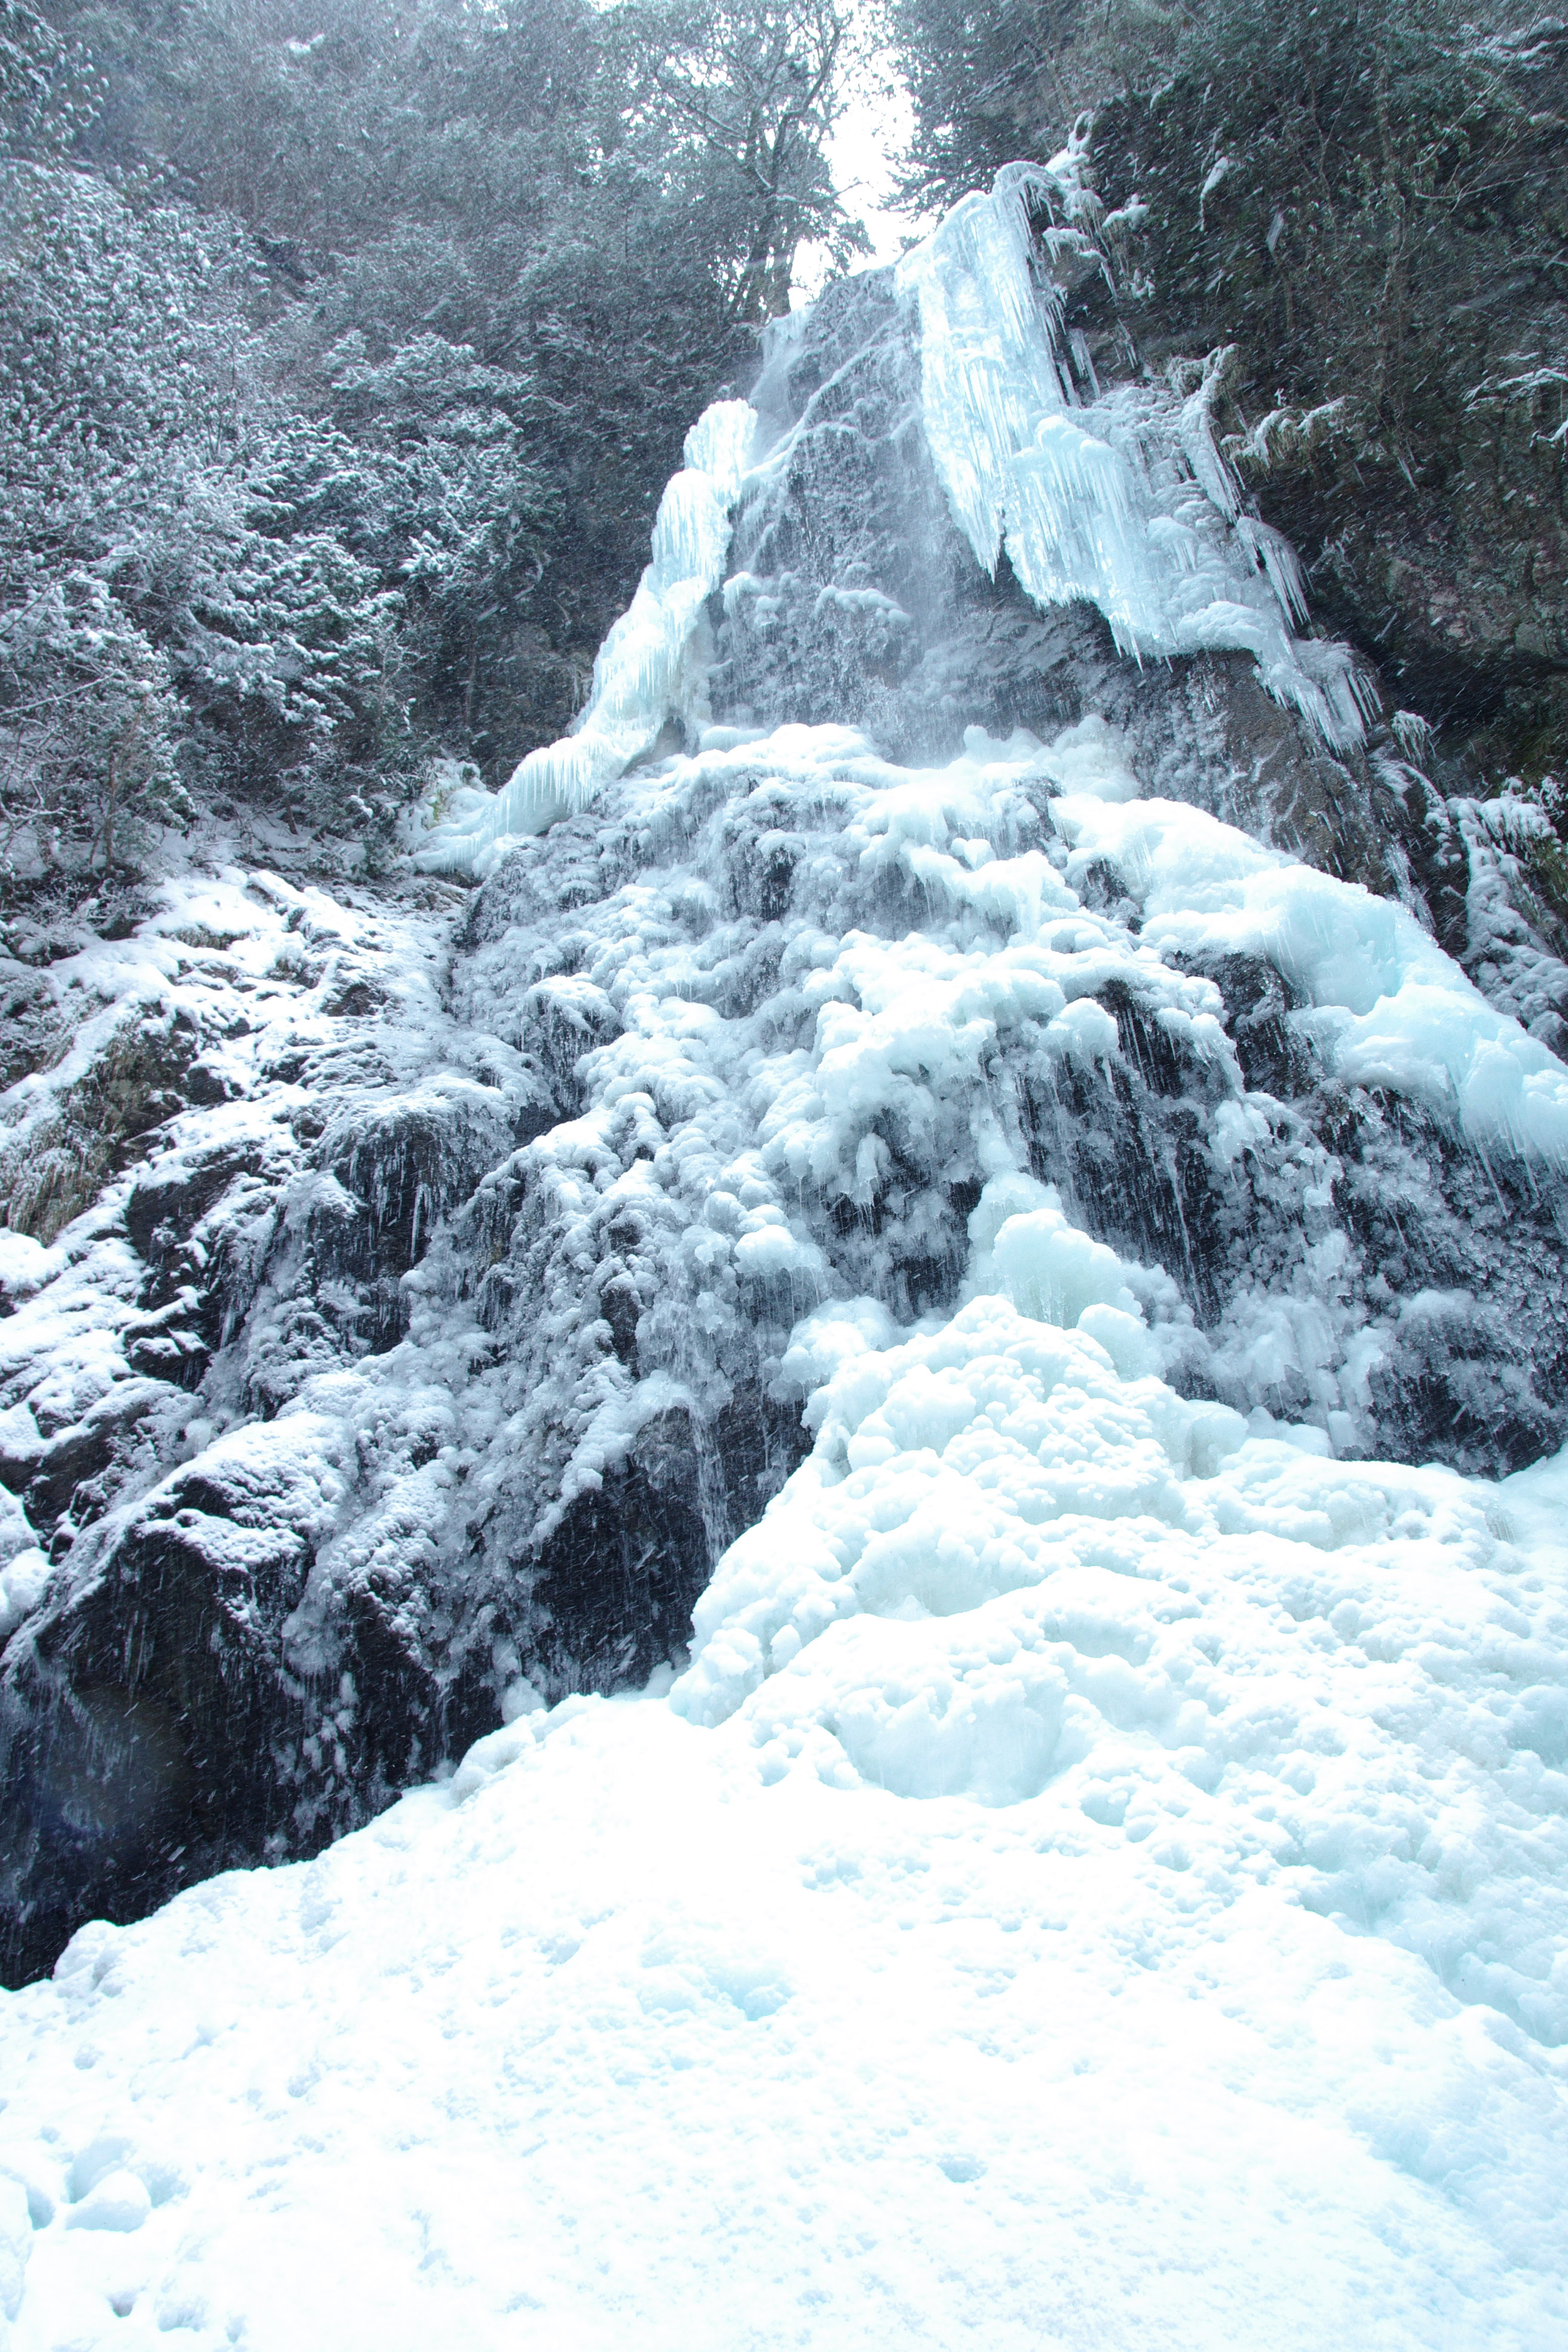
[1127,501]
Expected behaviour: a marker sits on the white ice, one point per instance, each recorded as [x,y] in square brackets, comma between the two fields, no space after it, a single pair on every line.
[641,674]
[1392,1009]
[1122,500]
[1101,1879]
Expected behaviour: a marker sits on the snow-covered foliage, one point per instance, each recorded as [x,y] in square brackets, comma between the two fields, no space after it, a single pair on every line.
[342,356]
[206,589]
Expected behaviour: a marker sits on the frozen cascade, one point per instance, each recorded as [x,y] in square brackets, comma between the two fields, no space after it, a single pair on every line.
[1123,499]
[1124,503]
[898,1405]
[642,674]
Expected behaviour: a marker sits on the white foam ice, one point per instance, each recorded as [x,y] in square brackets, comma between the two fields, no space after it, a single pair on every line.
[1390,1008]
[641,674]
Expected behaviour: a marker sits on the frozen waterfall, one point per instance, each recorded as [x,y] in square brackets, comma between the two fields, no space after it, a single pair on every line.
[641,674]
[1124,502]
[860,1479]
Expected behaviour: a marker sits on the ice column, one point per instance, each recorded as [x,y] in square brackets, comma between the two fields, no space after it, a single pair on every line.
[639,675]
[1124,501]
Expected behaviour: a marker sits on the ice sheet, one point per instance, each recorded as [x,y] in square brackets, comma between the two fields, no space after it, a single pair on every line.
[641,670]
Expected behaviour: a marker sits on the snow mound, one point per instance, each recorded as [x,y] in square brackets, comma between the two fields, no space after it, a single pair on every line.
[1100,1880]
[1011,1566]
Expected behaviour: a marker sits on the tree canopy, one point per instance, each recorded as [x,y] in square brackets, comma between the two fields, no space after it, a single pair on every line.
[346,346]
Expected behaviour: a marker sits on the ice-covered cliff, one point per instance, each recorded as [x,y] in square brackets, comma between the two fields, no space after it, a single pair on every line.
[986,1130]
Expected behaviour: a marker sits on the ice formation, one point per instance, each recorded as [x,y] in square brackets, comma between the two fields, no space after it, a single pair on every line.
[1123,501]
[1122,498]
[1394,1010]
[1009,1314]
[1100,1880]
[641,676]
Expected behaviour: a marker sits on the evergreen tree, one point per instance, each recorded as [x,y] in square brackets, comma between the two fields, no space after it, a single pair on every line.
[346,347]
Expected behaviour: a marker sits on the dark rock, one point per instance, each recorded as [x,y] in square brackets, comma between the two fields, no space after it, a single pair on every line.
[166,1204]
[399,1166]
[136,1733]
[205,1085]
[137,1716]
[100,1126]
[174,1343]
[613,1585]
[353,997]
[85,1451]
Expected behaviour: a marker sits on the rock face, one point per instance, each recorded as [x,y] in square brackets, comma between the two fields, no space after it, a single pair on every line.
[451,1300]
[1393,322]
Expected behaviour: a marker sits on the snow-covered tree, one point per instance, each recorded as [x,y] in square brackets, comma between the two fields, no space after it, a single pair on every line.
[347,346]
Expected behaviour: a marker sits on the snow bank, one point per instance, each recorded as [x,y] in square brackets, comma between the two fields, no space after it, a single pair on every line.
[1120,1899]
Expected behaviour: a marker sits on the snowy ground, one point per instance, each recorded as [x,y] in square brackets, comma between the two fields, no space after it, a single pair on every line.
[1099,1882]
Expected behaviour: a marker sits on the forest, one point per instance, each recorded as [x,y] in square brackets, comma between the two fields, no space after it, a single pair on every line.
[344,352]
[345,346]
